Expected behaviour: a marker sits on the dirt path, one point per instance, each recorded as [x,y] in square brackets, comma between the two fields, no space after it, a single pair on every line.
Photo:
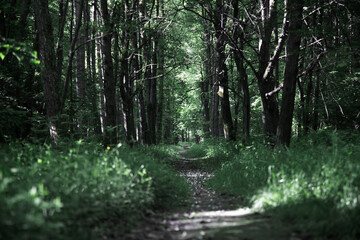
[208,216]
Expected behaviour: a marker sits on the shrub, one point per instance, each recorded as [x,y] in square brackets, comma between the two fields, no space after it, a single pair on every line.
[314,183]
[79,190]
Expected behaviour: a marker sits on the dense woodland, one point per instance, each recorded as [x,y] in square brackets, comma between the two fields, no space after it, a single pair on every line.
[158,71]
[132,76]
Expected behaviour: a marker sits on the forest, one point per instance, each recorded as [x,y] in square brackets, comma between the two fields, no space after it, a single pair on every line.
[115,113]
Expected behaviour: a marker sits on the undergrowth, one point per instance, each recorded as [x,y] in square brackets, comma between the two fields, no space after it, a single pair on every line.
[81,191]
[314,185]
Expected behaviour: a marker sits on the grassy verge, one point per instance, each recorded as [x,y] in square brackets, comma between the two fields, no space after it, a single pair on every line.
[80,191]
[314,185]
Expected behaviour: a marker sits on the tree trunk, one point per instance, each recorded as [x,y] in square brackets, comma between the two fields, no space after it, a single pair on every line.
[109,81]
[161,78]
[61,25]
[214,118]
[207,79]
[270,112]
[47,56]
[80,73]
[308,102]
[151,92]
[243,78]
[291,72]
[315,123]
[168,123]
[221,70]
[101,86]
[126,91]
[68,75]
[92,89]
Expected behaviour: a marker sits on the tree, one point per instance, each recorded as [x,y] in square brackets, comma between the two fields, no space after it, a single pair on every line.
[238,46]
[80,66]
[291,73]
[109,81]
[221,70]
[49,71]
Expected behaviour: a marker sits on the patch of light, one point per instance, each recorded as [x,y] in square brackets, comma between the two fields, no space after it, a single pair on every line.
[221,213]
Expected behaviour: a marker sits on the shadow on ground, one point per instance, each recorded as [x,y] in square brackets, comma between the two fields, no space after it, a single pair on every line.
[208,215]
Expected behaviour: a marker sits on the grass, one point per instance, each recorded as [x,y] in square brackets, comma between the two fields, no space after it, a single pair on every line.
[314,185]
[81,191]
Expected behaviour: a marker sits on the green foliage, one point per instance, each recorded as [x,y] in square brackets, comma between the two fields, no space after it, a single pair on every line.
[168,187]
[20,50]
[79,190]
[313,184]
[215,153]
[196,151]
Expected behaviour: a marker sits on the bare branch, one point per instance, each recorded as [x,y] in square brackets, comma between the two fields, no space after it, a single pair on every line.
[276,90]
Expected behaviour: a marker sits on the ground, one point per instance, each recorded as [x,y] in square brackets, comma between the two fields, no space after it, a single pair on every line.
[208,215]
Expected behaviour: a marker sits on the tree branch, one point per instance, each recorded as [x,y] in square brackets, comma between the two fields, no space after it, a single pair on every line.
[276,90]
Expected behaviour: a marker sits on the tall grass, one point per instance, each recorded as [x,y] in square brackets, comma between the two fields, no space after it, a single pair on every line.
[80,191]
[315,184]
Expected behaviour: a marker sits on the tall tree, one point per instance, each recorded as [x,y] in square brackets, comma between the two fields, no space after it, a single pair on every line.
[151,80]
[126,79]
[221,73]
[207,77]
[49,73]
[80,73]
[291,72]
[238,46]
[109,81]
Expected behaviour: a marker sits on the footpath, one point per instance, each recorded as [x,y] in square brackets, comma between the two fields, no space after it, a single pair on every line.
[208,215]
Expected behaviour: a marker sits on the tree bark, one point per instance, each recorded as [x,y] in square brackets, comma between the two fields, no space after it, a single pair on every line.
[80,73]
[243,78]
[315,123]
[291,71]
[62,20]
[221,70]
[47,56]
[68,75]
[207,79]
[109,81]
[93,90]
[266,83]
[161,61]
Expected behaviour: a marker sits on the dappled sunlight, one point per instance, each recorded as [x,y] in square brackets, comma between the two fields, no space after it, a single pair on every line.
[221,213]
[196,224]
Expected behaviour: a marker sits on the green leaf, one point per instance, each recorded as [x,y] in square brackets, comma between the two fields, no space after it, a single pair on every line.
[35,61]
[2,55]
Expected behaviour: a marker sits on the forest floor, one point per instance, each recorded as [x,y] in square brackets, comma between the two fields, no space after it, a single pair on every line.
[208,215]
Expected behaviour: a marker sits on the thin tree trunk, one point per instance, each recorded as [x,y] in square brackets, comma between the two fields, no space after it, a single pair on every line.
[308,102]
[214,119]
[243,78]
[167,127]
[68,75]
[221,70]
[61,26]
[93,90]
[160,110]
[207,79]
[315,123]
[126,91]
[80,73]
[150,95]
